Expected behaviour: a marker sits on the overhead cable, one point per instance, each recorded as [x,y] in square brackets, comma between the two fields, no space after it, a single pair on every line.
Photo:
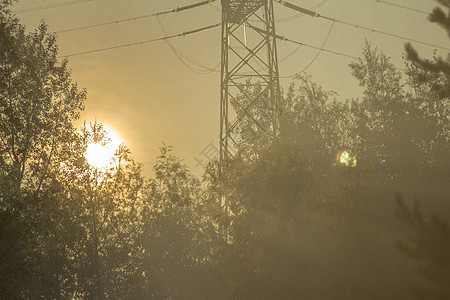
[282,38]
[186,33]
[314,14]
[26,10]
[198,68]
[289,55]
[176,10]
[215,7]
[324,43]
[404,7]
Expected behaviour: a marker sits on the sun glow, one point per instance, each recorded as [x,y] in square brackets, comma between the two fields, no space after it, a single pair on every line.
[99,155]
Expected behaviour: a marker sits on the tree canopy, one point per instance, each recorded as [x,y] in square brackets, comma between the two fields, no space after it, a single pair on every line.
[306,214]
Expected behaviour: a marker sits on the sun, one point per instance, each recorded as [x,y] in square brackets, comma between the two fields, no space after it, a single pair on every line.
[99,155]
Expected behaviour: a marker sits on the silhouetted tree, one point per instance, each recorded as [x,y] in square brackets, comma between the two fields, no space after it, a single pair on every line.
[378,113]
[429,79]
[38,103]
[177,238]
[438,67]
[428,244]
[270,203]
[104,258]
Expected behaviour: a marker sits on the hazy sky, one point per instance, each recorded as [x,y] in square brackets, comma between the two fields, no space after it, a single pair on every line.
[148,96]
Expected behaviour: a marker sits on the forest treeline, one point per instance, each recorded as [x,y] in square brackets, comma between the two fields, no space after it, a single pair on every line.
[299,223]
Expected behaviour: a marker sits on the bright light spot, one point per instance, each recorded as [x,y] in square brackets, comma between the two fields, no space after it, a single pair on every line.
[346,158]
[99,155]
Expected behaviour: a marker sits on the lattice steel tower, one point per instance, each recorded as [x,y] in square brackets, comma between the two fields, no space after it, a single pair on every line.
[249,73]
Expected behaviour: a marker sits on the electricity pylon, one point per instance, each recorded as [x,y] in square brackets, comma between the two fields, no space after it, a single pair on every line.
[249,80]
[249,73]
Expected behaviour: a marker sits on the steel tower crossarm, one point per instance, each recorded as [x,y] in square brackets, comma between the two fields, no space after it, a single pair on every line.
[238,10]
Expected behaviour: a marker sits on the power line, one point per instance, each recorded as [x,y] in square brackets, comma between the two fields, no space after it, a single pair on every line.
[282,38]
[205,69]
[289,55]
[314,14]
[186,33]
[301,14]
[404,7]
[320,49]
[178,9]
[201,68]
[26,10]
[386,33]
[324,43]
[215,7]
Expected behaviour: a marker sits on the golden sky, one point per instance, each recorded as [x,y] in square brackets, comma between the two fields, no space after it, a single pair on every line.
[148,96]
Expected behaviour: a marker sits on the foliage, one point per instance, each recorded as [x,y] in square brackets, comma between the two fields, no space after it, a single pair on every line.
[429,244]
[438,67]
[380,112]
[38,103]
[285,218]
[176,234]
[268,201]
[109,202]
[430,103]
[350,228]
